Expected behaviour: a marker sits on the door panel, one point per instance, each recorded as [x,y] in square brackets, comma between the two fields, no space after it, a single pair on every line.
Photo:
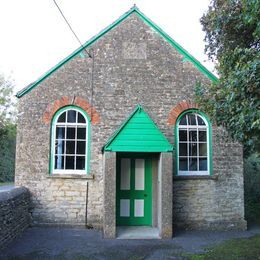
[134,191]
[139,208]
[139,174]
[124,208]
[125,174]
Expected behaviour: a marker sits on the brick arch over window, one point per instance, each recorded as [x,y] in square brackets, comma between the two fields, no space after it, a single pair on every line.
[66,101]
[179,108]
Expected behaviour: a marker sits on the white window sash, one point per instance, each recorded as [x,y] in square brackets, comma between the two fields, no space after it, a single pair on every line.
[68,171]
[193,173]
[197,128]
[54,138]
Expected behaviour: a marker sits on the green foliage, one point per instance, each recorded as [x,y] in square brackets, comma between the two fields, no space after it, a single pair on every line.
[7,106]
[252,177]
[232,30]
[7,130]
[252,190]
[7,153]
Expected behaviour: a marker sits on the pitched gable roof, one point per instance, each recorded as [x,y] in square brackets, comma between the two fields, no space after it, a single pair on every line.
[136,11]
[138,134]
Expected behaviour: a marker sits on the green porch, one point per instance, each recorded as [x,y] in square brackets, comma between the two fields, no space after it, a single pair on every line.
[138,160]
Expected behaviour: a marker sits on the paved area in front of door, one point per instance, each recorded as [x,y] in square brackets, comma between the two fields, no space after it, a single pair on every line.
[71,243]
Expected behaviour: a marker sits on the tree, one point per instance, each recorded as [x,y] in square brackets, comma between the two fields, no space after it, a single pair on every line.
[7,130]
[7,153]
[6,103]
[232,30]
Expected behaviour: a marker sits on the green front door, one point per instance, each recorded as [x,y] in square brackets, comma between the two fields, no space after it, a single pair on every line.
[134,191]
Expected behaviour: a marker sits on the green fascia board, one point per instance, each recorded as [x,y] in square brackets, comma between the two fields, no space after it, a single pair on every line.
[135,10]
[147,138]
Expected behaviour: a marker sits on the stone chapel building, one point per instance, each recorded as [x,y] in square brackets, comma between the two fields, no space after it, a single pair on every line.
[111,136]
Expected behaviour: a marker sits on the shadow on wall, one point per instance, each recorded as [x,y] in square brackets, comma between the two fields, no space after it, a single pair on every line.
[15,217]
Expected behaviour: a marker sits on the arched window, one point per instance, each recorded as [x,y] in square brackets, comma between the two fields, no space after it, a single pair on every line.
[193,144]
[70,141]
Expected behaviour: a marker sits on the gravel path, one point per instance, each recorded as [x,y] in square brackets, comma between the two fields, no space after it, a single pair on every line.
[72,243]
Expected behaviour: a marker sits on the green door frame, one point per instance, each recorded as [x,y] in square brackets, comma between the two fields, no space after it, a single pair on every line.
[145,194]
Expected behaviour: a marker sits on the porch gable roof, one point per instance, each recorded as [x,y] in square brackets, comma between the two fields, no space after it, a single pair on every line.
[138,134]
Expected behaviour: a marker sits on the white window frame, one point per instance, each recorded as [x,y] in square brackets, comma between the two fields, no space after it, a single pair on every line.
[197,127]
[55,124]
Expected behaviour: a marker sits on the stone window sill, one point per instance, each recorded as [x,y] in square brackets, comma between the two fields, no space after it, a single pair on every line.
[195,177]
[70,176]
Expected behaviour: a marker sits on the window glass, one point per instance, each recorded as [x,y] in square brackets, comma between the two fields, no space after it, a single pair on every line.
[182,135]
[59,162]
[71,132]
[193,135]
[60,132]
[193,147]
[203,165]
[183,121]
[70,162]
[203,149]
[80,163]
[59,146]
[81,119]
[200,121]
[70,147]
[191,119]
[81,133]
[202,136]
[183,163]
[62,117]
[81,147]
[193,164]
[183,151]
[71,116]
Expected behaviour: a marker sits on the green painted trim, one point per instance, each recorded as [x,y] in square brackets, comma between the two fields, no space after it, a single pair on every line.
[52,136]
[135,10]
[209,138]
[169,147]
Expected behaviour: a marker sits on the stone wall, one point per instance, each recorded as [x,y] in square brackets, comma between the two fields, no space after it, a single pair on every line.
[133,65]
[15,214]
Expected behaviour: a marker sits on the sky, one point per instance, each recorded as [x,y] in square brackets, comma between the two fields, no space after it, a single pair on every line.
[34,36]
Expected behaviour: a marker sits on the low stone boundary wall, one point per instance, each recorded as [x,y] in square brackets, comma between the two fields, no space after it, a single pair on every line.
[15,214]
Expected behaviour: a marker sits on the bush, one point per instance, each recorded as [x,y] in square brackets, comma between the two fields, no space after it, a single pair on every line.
[7,153]
[252,188]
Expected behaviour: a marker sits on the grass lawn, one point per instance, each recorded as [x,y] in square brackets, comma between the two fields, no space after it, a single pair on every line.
[6,183]
[244,248]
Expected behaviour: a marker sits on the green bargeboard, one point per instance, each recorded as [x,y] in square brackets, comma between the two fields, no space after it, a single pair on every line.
[133,195]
